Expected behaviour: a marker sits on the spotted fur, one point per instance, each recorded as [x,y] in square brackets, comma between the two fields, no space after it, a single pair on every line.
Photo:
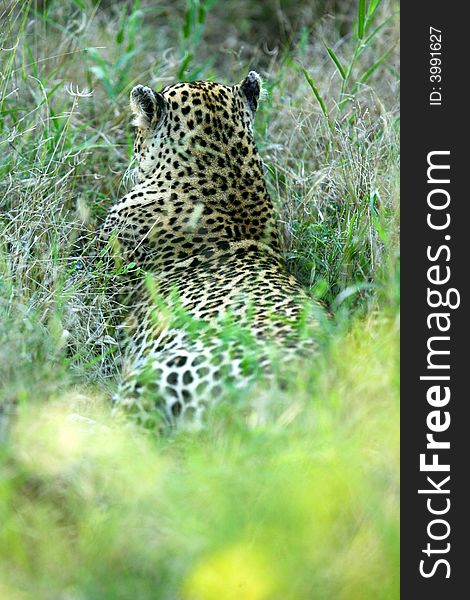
[199,220]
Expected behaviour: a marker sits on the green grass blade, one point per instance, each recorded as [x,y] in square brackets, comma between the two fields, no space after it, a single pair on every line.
[365,44]
[187,23]
[336,60]
[373,6]
[371,69]
[316,93]
[361,19]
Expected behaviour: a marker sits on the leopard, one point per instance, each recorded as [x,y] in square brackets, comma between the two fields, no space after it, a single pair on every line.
[213,303]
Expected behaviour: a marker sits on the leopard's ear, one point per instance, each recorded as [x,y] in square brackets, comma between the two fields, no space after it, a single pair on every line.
[147,106]
[251,88]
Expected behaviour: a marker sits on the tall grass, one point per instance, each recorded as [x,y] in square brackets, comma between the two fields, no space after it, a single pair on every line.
[289,492]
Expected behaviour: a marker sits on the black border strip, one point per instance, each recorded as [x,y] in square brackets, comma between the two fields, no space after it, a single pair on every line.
[433,125]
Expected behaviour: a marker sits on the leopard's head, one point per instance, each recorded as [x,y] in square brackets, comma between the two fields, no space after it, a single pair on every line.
[194,119]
